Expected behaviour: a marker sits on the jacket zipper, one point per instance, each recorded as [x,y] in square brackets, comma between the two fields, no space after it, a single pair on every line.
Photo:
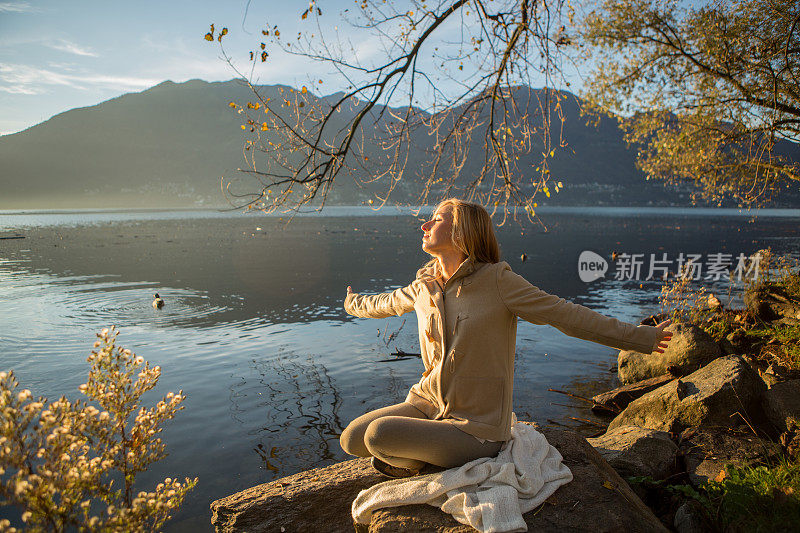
[444,327]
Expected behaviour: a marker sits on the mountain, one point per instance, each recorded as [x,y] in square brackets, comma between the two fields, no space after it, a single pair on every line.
[168,146]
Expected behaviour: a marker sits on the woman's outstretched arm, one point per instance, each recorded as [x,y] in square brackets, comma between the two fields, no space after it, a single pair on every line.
[383,305]
[537,306]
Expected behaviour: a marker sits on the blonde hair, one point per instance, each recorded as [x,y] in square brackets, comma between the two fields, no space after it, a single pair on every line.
[473,231]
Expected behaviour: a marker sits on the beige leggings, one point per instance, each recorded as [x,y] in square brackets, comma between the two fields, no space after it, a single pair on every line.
[403,436]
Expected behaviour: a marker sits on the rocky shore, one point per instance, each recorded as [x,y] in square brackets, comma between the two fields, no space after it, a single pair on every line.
[682,419]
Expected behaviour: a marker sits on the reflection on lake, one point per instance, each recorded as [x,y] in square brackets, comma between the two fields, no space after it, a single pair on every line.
[254,332]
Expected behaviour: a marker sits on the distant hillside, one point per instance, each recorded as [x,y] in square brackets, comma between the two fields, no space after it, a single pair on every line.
[168,146]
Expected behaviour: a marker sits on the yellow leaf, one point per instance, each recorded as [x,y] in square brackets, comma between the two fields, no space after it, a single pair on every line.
[232,105]
[607,484]
[209,37]
[243,126]
[721,476]
[264,127]
[264,56]
[304,90]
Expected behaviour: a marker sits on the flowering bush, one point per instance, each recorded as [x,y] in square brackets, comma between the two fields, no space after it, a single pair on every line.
[73,464]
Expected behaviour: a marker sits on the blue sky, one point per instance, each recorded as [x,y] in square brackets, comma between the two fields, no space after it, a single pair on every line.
[57,55]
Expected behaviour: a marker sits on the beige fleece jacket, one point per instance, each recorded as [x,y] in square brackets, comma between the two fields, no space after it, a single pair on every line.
[468,333]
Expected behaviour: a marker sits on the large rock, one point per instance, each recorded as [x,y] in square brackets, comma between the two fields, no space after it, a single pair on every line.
[689,349]
[315,500]
[635,451]
[690,518]
[709,396]
[769,301]
[782,405]
[707,451]
[319,500]
[616,400]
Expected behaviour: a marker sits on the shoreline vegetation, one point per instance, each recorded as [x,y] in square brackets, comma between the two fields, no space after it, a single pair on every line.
[715,461]
[73,464]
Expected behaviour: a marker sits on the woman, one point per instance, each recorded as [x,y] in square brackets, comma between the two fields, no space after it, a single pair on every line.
[467,304]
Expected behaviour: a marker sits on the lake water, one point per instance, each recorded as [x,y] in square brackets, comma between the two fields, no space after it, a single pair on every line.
[253,329]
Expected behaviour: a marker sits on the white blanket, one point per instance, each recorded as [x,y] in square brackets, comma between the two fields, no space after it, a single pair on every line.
[489,494]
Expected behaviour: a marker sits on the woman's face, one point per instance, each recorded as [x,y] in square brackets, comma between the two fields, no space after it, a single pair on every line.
[437,232]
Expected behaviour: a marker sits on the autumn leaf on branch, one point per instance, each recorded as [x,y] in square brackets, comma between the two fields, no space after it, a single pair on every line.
[442,105]
[708,93]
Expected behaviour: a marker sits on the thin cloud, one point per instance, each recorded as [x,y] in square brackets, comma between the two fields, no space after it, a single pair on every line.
[17,7]
[24,79]
[61,65]
[72,48]
[21,90]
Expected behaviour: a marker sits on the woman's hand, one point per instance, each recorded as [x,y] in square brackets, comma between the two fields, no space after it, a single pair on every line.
[664,336]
